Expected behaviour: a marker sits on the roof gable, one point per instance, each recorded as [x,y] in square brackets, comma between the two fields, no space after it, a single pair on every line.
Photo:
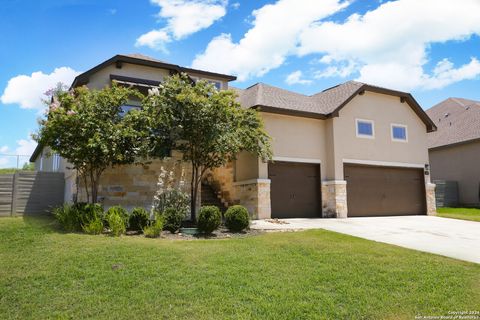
[322,105]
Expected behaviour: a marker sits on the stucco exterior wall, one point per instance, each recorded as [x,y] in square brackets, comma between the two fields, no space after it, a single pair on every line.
[459,163]
[296,137]
[245,167]
[384,110]
[101,79]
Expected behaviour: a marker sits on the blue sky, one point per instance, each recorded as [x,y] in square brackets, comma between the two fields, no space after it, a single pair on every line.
[430,47]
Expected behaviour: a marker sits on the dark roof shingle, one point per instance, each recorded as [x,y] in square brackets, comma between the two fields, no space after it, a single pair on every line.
[457,120]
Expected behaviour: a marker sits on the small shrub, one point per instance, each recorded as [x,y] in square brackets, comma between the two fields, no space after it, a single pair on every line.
[116,223]
[94,226]
[236,218]
[209,219]
[138,219]
[120,211]
[68,216]
[173,219]
[155,228]
[88,212]
[176,199]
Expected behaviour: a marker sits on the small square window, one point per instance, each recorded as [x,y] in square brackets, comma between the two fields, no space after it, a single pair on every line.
[399,132]
[365,128]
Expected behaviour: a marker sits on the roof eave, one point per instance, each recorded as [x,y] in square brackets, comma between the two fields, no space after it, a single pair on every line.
[83,78]
[289,112]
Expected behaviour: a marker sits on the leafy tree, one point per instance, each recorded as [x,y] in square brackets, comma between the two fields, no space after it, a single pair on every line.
[28,166]
[86,127]
[209,127]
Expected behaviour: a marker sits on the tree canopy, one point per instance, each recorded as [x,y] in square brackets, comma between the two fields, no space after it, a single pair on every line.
[87,128]
[208,126]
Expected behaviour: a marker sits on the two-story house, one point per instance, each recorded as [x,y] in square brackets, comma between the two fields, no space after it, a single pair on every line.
[350,150]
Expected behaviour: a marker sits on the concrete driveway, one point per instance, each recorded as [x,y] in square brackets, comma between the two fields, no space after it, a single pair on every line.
[453,238]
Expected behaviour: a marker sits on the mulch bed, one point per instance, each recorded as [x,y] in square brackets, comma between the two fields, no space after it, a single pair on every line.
[221,233]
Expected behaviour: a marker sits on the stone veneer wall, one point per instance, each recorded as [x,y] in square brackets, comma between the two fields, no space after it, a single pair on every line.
[334,199]
[431,202]
[255,196]
[135,185]
[222,181]
[252,194]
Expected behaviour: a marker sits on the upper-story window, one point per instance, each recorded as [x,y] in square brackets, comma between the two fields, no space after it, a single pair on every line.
[126,108]
[365,128]
[216,84]
[399,132]
[56,161]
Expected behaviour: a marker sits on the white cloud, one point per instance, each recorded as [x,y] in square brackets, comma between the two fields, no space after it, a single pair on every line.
[296,78]
[184,17]
[389,44]
[24,149]
[28,90]
[273,36]
[341,70]
[236,5]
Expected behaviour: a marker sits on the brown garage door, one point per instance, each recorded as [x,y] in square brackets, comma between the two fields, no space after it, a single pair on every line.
[384,191]
[295,190]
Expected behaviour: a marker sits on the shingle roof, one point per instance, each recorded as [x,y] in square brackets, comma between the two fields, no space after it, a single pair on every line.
[322,103]
[144,57]
[457,120]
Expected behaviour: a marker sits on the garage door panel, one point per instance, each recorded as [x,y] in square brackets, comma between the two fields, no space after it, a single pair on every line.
[377,191]
[295,189]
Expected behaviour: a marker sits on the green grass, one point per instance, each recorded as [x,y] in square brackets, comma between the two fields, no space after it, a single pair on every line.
[7,170]
[45,273]
[472,214]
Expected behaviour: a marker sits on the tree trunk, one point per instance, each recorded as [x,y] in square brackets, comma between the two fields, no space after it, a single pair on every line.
[193,193]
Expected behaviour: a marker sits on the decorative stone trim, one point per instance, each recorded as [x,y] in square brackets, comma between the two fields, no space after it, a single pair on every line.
[326,183]
[334,199]
[251,181]
[430,195]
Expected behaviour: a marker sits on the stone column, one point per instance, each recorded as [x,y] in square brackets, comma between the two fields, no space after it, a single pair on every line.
[334,199]
[430,195]
[255,196]
[264,209]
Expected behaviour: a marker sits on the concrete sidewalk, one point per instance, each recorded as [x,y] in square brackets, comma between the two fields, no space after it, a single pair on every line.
[453,238]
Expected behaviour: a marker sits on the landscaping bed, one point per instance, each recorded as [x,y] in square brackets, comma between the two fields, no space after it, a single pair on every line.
[47,273]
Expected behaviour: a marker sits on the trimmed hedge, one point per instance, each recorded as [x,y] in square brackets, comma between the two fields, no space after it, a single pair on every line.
[237,218]
[209,219]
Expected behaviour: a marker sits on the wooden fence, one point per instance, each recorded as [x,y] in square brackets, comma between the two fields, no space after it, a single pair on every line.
[30,193]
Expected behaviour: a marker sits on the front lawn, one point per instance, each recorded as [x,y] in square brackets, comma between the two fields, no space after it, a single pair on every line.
[45,273]
[472,214]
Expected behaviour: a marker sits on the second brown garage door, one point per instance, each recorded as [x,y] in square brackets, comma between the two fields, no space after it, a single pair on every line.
[295,190]
[384,191]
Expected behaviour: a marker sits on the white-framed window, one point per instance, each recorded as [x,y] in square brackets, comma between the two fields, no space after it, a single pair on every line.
[365,128]
[126,108]
[217,84]
[55,162]
[399,132]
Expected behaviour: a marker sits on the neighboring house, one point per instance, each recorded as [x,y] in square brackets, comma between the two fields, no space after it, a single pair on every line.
[351,150]
[455,147]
